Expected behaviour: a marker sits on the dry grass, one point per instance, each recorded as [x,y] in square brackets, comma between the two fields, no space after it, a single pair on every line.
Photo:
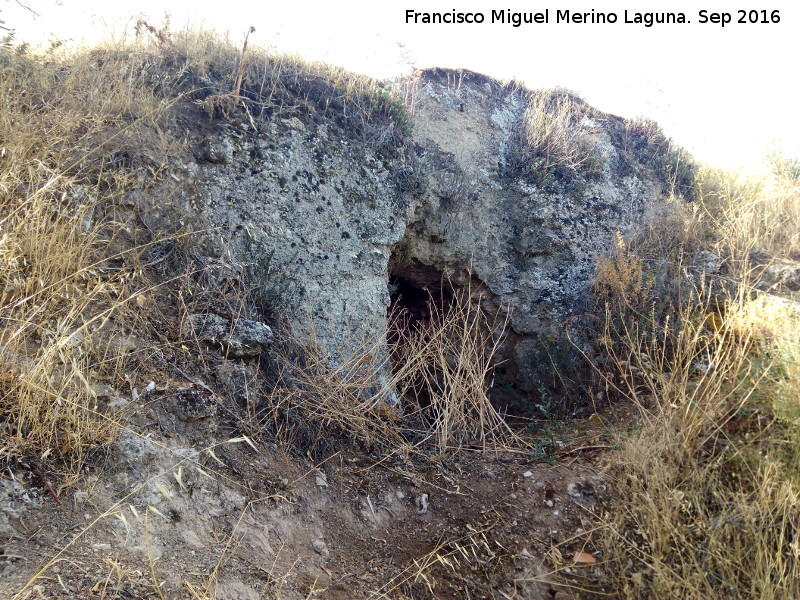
[711,511]
[674,166]
[550,143]
[734,216]
[441,375]
[82,131]
[231,80]
[707,480]
[754,214]
[465,552]
[62,283]
[321,391]
[446,363]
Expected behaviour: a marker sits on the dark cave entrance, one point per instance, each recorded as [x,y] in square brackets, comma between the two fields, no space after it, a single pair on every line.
[419,296]
[414,288]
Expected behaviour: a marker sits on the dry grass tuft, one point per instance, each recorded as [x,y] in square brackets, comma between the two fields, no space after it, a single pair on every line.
[462,554]
[712,512]
[320,392]
[748,214]
[229,79]
[674,166]
[707,480]
[441,374]
[550,144]
[445,363]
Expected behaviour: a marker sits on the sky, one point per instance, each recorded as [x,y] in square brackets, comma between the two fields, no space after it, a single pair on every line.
[727,92]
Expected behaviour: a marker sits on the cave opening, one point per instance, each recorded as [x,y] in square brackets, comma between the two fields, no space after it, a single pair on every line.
[422,299]
[421,296]
[413,292]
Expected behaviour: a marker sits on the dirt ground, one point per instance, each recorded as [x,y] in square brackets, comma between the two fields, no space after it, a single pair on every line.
[242,522]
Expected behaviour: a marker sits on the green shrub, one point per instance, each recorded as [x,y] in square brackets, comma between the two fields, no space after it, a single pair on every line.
[385,103]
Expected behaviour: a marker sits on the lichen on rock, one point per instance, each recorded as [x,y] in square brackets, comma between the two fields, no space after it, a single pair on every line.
[339,217]
[240,338]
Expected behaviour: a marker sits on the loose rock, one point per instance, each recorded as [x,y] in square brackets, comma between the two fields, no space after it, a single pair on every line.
[240,338]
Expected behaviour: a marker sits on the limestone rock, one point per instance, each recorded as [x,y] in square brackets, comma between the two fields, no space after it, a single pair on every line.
[708,262]
[320,547]
[218,150]
[333,224]
[531,248]
[783,274]
[240,338]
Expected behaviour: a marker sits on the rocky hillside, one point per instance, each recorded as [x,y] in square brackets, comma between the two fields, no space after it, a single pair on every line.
[262,318]
[478,183]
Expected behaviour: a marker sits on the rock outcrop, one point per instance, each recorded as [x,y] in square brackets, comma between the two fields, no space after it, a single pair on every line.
[240,338]
[332,224]
[533,247]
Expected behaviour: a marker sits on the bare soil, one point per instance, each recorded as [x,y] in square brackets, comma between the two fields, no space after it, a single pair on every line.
[249,523]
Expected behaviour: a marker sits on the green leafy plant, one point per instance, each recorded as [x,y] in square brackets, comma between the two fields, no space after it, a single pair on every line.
[385,103]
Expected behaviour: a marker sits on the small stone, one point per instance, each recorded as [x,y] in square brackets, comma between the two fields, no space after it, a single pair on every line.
[219,151]
[528,474]
[240,338]
[583,558]
[294,123]
[320,547]
[708,261]
[422,503]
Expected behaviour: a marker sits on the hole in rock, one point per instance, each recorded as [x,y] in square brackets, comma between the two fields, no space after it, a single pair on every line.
[418,294]
[428,315]
[421,298]
[414,291]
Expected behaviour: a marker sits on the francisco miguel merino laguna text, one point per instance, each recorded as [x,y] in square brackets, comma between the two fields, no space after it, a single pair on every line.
[516,19]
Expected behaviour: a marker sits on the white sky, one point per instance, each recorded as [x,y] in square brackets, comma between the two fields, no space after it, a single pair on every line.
[729,93]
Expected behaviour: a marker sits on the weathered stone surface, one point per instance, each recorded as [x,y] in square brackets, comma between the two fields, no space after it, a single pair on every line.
[327,221]
[707,262]
[240,338]
[15,499]
[534,250]
[218,150]
[784,274]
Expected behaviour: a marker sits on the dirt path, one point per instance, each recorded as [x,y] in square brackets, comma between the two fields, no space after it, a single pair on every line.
[264,524]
